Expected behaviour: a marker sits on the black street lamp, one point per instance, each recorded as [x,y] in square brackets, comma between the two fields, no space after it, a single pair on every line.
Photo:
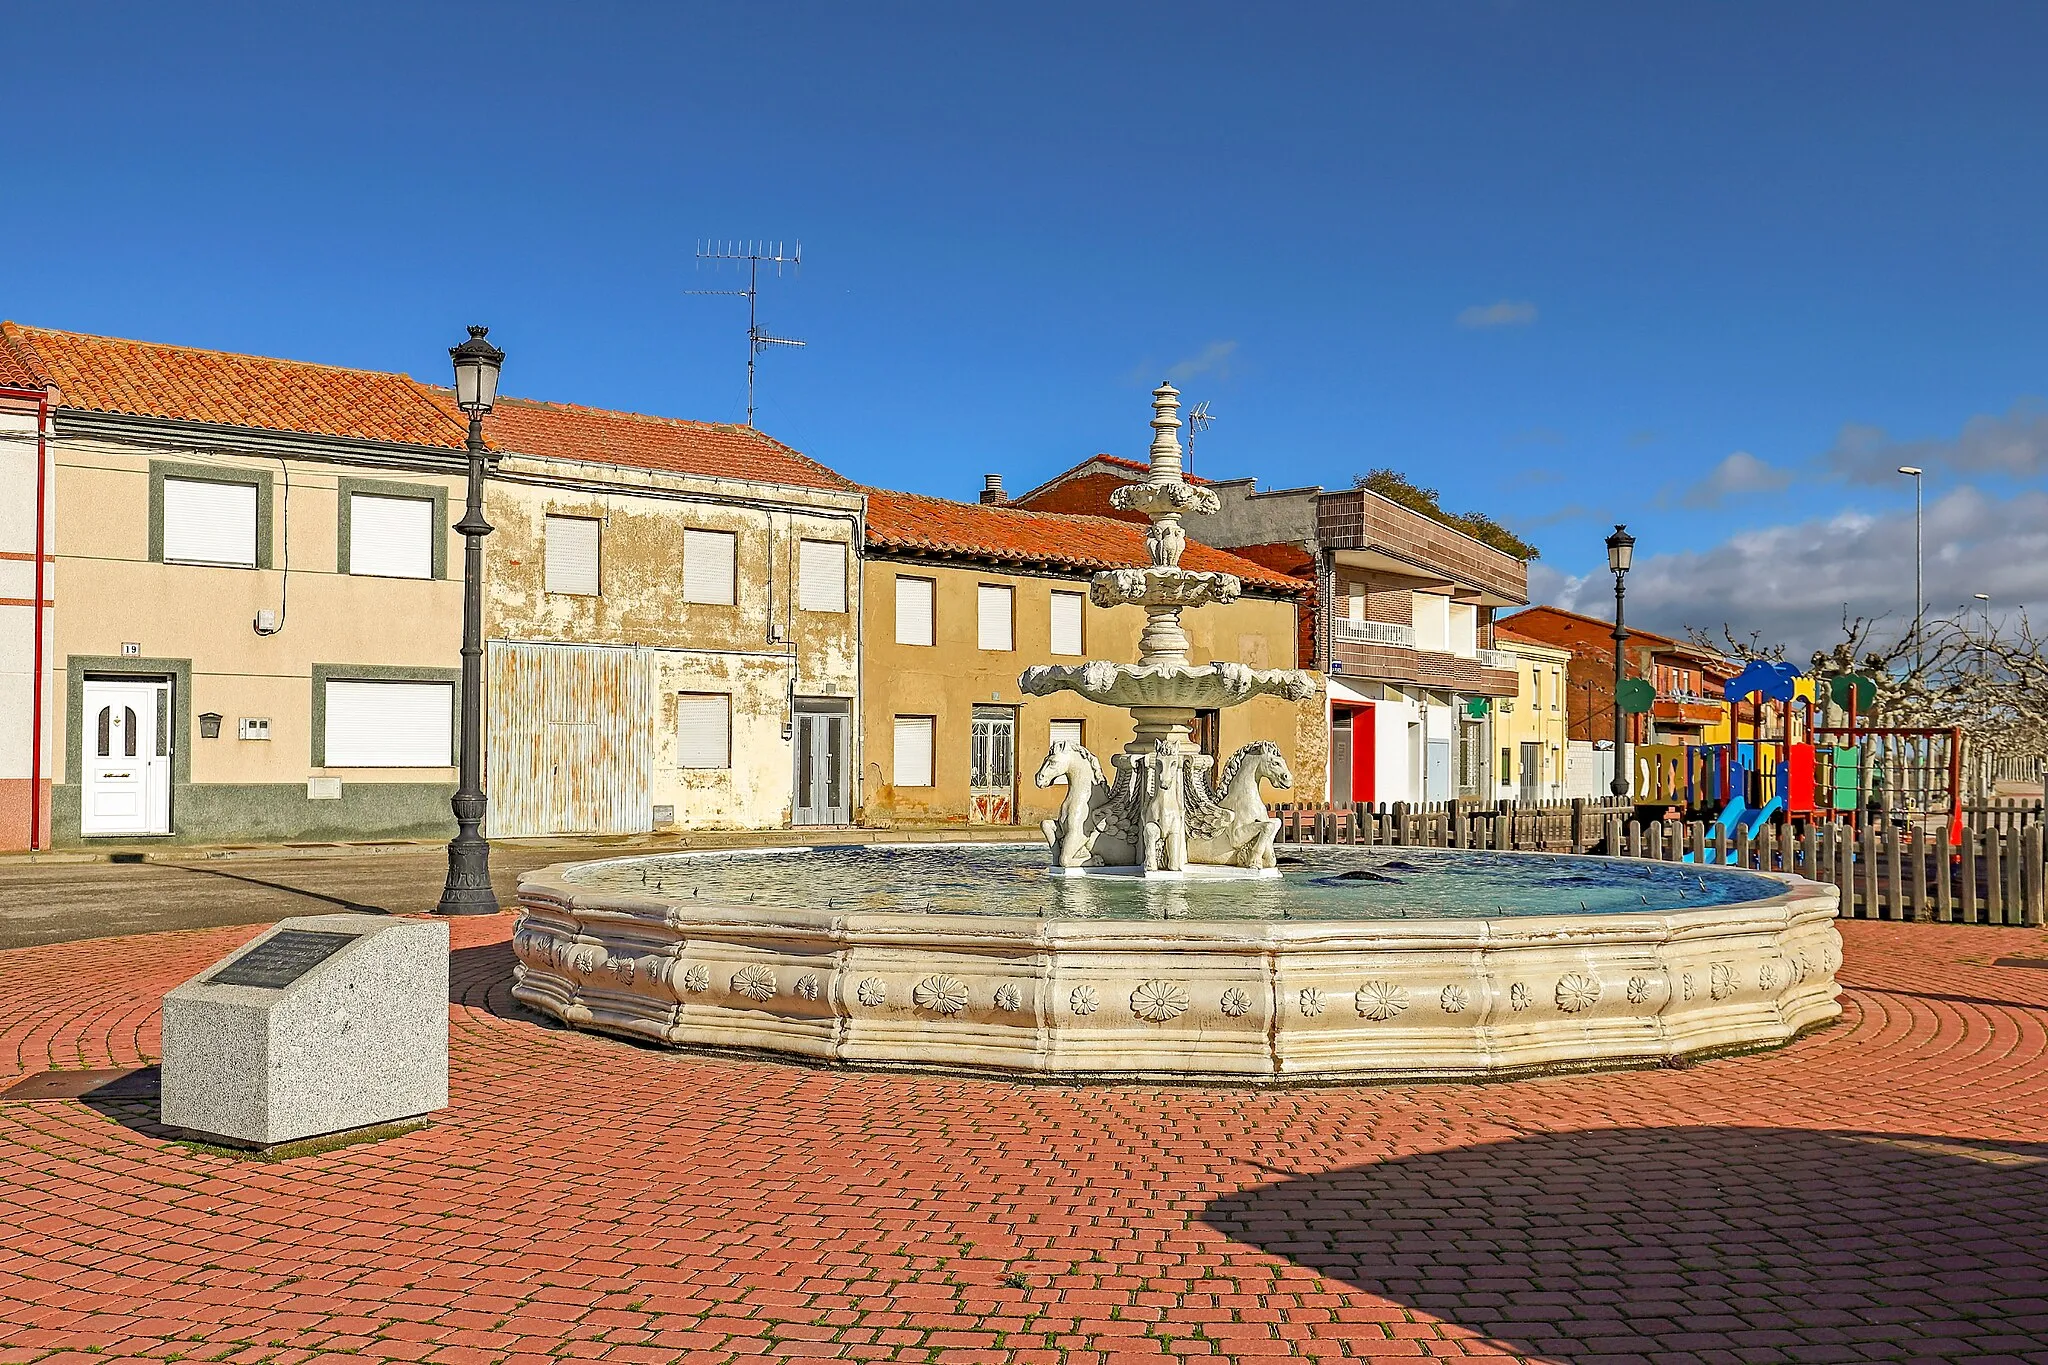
[1621,549]
[468,889]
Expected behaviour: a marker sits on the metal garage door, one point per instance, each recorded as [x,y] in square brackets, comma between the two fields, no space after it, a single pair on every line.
[571,731]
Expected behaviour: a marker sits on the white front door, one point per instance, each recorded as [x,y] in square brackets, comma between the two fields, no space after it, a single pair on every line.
[126,763]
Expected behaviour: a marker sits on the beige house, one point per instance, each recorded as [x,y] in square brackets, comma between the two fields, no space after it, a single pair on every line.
[252,628]
[255,609]
[1532,726]
[962,598]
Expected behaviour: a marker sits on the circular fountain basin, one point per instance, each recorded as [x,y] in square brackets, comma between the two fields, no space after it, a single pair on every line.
[1354,963]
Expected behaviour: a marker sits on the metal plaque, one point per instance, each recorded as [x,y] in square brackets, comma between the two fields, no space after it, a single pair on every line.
[281,959]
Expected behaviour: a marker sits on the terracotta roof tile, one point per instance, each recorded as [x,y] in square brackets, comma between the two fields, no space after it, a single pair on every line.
[567,431]
[913,522]
[19,366]
[182,383]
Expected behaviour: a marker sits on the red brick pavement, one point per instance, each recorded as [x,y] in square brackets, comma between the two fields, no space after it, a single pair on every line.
[1876,1191]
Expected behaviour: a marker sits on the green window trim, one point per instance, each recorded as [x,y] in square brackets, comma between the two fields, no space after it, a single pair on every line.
[261,479]
[347,488]
[323,673]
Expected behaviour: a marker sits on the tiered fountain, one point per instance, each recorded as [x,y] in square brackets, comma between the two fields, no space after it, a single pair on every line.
[1220,961]
[1162,815]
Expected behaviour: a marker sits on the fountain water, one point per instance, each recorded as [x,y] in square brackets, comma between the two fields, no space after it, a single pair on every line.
[1161,813]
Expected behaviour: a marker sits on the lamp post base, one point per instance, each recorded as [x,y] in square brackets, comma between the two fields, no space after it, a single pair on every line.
[468,888]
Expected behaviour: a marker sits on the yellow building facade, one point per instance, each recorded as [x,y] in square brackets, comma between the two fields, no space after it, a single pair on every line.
[1531,728]
[961,599]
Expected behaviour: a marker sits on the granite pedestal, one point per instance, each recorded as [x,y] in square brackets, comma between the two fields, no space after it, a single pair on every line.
[324,1024]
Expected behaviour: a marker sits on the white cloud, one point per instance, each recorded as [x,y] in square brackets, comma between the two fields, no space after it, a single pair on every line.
[2015,445]
[1213,359]
[1737,476]
[1791,581]
[1506,313]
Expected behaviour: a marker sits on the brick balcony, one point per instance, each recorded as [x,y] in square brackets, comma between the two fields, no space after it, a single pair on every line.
[1362,660]
[1675,711]
[1361,520]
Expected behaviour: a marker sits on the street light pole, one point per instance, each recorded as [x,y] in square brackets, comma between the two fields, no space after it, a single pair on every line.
[1914,472]
[468,888]
[1621,548]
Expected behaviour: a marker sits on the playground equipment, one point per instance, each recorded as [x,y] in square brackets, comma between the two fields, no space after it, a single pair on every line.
[1810,772]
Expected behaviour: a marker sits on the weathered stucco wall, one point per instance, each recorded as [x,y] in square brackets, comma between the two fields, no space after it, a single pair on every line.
[762,650]
[948,679]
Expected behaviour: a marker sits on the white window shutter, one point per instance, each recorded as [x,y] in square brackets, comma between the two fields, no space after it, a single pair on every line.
[703,730]
[994,621]
[708,567]
[571,553]
[1066,623]
[380,724]
[913,764]
[1067,732]
[821,575]
[209,523]
[390,537]
[914,622]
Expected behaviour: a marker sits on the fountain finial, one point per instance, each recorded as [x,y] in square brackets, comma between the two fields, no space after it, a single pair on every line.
[1165,441]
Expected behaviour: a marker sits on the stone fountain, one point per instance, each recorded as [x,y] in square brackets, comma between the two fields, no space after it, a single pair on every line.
[1214,964]
[1161,814]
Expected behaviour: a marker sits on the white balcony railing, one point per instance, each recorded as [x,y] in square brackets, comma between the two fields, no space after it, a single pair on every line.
[1377,633]
[1495,658]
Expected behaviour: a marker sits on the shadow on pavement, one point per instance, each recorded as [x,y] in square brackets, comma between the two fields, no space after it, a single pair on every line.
[480,978]
[341,902]
[1688,1242]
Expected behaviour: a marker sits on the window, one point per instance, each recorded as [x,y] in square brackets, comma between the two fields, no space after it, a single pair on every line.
[708,558]
[703,730]
[1432,620]
[1536,686]
[388,724]
[821,575]
[914,611]
[1556,687]
[1354,606]
[390,537]
[1463,620]
[995,618]
[991,755]
[209,523]
[1066,623]
[571,552]
[913,764]
[1068,732]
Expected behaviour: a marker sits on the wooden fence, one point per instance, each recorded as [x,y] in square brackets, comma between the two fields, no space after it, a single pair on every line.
[1994,876]
[1574,826]
[2006,813]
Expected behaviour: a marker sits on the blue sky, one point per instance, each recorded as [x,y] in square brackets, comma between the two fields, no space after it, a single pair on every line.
[1701,268]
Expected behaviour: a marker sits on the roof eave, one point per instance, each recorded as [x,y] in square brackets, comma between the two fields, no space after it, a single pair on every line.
[179,433]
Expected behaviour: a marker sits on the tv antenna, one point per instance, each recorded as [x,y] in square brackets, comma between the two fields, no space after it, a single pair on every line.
[1199,421]
[753,253]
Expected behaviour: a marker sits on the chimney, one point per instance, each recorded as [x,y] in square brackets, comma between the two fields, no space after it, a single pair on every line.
[992,494]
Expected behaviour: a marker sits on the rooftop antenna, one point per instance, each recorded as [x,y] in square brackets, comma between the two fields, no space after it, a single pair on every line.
[1199,421]
[753,253]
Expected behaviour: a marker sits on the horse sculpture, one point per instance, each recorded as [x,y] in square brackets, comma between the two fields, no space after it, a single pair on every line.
[1228,823]
[1177,818]
[1093,829]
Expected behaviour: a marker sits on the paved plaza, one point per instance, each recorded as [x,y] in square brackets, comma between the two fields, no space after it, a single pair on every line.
[1877,1191]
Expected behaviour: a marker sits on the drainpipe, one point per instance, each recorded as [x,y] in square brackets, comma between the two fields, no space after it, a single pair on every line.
[41,398]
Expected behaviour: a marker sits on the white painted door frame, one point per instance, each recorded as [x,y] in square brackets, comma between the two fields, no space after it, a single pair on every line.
[124,763]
